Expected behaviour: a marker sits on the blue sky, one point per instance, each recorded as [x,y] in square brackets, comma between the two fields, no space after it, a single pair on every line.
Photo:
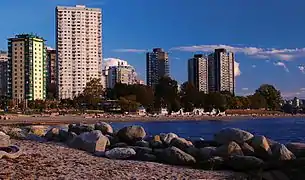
[267,36]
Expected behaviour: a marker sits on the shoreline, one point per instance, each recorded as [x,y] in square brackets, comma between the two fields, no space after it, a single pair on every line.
[69,119]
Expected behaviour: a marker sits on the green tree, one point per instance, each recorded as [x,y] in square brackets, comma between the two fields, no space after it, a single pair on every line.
[257,101]
[272,96]
[189,96]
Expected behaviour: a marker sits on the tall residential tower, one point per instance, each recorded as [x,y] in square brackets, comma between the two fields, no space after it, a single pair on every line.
[3,73]
[27,68]
[198,72]
[157,66]
[79,48]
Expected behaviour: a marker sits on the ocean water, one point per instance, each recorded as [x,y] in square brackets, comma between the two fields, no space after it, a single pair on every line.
[282,130]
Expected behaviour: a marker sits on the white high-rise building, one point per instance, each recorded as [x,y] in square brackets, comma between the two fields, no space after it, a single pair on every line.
[79,48]
[198,72]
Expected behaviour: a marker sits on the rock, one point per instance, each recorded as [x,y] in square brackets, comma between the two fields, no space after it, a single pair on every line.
[175,156]
[66,136]
[141,150]
[93,142]
[59,135]
[261,147]
[193,152]
[244,163]
[142,143]
[34,137]
[80,128]
[181,143]
[205,143]
[38,130]
[4,140]
[113,139]
[280,152]
[131,134]
[247,149]
[146,157]
[226,150]
[232,134]
[156,142]
[105,128]
[120,153]
[274,175]
[17,133]
[298,149]
[214,163]
[206,152]
[167,138]
[10,152]
[120,144]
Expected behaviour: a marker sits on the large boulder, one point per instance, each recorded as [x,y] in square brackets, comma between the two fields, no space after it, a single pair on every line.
[213,163]
[38,130]
[229,149]
[244,163]
[120,144]
[261,147]
[141,150]
[93,142]
[60,135]
[181,143]
[145,157]
[120,153]
[80,128]
[206,152]
[10,152]
[105,128]
[131,134]
[167,138]
[205,143]
[298,149]
[193,152]
[280,152]
[142,143]
[232,134]
[247,149]
[4,140]
[175,156]
[156,142]
[17,133]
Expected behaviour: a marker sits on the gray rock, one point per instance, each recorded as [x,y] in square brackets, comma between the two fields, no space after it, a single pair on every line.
[141,150]
[298,149]
[120,144]
[206,152]
[10,152]
[232,134]
[131,134]
[175,156]
[146,157]
[244,163]
[226,150]
[181,143]
[167,138]
[59,135]
[156,142]
[261,147]
[105,128]
[120,153]
[205,143]
[193,152]
[213,163]
[80,128]
[4,140]
[142,143]
[280,152]
[247,149]
[93,142]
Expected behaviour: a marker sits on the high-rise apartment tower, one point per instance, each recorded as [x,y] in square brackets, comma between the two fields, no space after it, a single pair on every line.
[157,66]
[3,73]
[198,72]
[79,48]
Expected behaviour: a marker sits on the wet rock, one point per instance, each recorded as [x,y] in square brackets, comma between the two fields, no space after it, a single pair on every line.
[298,149]
[156,142]
[280,152]
[167,138]
[244,163]
[261,147]
[226,150]
[232,134]
[4,140]
[207,152]
[175,156]
[142,143]
[120,153]
[105,128]
[93,142]
[80,128]
[181,143]
[131,134]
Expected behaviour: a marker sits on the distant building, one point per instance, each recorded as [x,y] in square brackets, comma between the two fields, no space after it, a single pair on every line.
[198,72]
[3,73]
[51,73]
[221,71]
[27,67]
[123,73]
[79,46]
[157,66]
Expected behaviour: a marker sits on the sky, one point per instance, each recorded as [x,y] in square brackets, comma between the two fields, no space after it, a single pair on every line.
[268,37]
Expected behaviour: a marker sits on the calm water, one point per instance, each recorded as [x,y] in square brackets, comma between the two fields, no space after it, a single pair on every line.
[282,130]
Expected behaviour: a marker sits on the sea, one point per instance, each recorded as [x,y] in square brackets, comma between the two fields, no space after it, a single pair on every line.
[283,130]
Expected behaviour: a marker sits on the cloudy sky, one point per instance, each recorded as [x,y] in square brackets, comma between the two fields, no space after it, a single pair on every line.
[268,37]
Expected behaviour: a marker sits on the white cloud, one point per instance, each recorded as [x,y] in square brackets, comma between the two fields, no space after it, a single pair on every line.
[237,71]
[244,89]
[130,50]
[261,53]
[302,69]
[282,65]
[302,89]
[253,66]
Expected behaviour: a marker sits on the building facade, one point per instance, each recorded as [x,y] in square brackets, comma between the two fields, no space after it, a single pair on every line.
[3,73]
[123,73]
[221,71]
[157,66]
[198,72]
[79,48]
[27,68]
[51,73]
